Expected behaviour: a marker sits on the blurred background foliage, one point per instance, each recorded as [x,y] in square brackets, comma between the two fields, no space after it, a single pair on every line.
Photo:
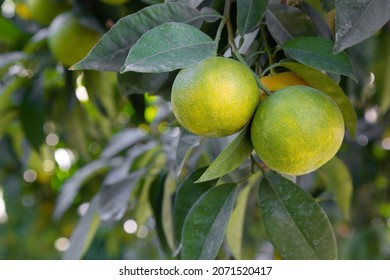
[55,122]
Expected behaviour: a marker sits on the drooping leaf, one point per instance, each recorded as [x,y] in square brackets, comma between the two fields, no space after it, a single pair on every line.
[84,232]
[287,22]
[123,140]
[382,71]
[114,197]
[337,180]
[358,20]
[167,210]
[249,14]
[133,82]
[295,224]
[32,113]
[187,141]
[168,47]
[206,222]
[319,80]
[317,53]
[235,228]
[110,53]
[187,194]
[230,158]
[156,197]
[71,187]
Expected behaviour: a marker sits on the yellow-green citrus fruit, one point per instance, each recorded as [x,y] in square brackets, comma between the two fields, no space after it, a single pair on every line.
[297,129]
[216,97]
[69,40]
[282,80]
[44,11]
[114,2]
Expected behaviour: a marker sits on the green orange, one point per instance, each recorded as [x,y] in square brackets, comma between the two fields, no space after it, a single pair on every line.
[44,11]
[216,97]
[297,129]
[69,40]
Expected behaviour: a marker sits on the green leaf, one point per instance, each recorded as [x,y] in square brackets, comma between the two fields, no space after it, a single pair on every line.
[287,22]
[235,228]
[84,232]
[133,82]
[205,224]
[337,180]
[320,81]
[168,47]
[295,224]
[32,113]
[187,194]
[317,53]
[358,20]
[187,141]
[110,53]
[230,158]
[249,14]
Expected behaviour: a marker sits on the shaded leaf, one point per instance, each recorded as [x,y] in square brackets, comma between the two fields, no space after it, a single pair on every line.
[287,22]
[337,180]
[235,228]
[11,57]
[317,15]
[167,210]
[114,197]
[295,224]
[134,82]
[249,14]
[358,20]
[110,53]
[205,224]
[168,47]
[32,113]
[71,187]
[187,141]
[230,158]
[123,140]
[84,232]
[187,194]
[322,82]
[317,53]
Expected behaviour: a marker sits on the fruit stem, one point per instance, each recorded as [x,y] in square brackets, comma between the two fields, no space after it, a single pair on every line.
[218,36]
[262,166]
[226,14]
[266,45]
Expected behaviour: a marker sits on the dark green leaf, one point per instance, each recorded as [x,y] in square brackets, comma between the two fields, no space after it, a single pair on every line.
[187,194]
[287,22]
[123,140]
[295,224]
[337,180]
[230,158]
[168,47]
[249,14]
[110,53]
[317,53]
[206,222]
[84,232]
[71,187]
[358,20]
[32,113]
[235,228]
[133,82]
[319,80]
[191,3]
[187,141]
